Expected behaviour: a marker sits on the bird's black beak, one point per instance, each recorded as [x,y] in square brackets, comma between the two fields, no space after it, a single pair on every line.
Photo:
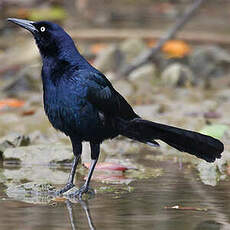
[29,25]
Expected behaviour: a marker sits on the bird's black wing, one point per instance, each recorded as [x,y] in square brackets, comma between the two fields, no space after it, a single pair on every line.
[104,97]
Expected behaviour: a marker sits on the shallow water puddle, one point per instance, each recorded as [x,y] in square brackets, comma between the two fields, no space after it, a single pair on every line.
[139,205]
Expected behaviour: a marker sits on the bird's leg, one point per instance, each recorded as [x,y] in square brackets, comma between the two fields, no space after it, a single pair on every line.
[85,187]
[77,150]
[69,183]
[95,150]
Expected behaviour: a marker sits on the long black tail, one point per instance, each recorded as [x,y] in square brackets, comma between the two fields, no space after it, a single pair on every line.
[202,146]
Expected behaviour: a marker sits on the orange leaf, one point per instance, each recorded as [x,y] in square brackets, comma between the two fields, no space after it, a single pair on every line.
[11,102]
[176,49]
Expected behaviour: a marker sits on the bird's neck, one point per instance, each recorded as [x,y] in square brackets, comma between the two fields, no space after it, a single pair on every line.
[71,56]
[59,65]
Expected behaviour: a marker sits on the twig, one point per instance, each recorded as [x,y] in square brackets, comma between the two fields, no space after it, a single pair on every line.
[148,55]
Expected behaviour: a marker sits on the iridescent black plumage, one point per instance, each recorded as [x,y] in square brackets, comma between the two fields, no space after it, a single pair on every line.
[82,103]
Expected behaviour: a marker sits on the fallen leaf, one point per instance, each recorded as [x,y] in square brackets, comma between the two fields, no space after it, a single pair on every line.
[108,166]
[11,102]
[28,112]
[176,49]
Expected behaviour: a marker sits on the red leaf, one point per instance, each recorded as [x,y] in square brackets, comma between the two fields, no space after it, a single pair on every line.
[108,166]
[28,112]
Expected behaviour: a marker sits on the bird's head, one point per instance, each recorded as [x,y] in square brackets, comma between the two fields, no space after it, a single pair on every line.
[50,37]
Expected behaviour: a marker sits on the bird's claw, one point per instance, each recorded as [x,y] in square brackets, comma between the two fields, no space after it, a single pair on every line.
[67,187]
[80,192]
[83,190]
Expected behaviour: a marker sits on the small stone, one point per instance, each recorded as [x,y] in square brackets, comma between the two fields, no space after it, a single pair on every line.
[208,173]
[146,73]
[13,140]
[131,48]
[209,61]
[177,75]
[40,154]
[143,79]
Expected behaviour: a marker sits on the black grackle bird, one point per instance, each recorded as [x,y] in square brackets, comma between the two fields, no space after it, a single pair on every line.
[81,102]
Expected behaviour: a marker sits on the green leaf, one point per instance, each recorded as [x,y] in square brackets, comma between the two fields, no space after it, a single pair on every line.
[216,131]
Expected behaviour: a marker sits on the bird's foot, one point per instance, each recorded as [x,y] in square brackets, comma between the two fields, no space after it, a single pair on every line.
[83,190]
[67,187]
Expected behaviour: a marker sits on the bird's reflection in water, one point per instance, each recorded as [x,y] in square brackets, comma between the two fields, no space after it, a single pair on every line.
[85,207]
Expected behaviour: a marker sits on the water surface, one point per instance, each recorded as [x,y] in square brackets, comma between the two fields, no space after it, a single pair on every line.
[142,208]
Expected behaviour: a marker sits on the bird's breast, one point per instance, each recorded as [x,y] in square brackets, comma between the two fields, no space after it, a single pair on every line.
[71,114]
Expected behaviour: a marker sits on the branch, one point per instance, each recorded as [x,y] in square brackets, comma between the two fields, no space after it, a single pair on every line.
[148,55]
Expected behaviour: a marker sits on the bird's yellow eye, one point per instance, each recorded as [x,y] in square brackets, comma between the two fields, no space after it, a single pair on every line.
[42,29]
